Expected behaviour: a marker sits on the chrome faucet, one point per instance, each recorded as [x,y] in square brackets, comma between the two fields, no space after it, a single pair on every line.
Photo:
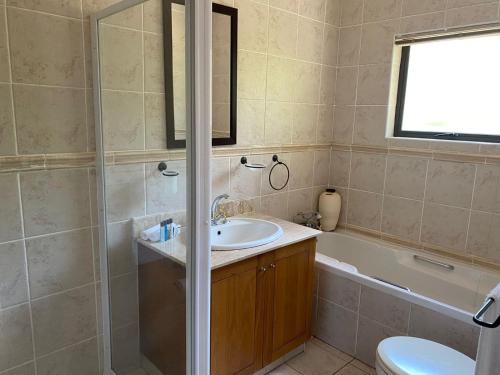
[217,217]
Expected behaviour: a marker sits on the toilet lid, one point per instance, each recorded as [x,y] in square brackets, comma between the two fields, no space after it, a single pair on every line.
[404,355]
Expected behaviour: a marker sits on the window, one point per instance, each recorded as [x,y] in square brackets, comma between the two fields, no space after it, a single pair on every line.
[449,88]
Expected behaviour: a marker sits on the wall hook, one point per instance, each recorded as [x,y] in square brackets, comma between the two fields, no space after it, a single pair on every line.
[162,167]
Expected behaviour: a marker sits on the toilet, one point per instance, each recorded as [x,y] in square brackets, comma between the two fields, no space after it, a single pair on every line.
[403,355]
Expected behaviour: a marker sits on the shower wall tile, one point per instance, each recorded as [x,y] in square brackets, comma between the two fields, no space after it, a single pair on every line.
[351,12]
[122,255]
[10,220]
[373,85]
[282,33]
[412,7]
[69,8]
[369,126]
[152,16]
[405,177]
[332,16]
[251,115]
[378,10]
[330,45]
[321,167]
[349,45]
[155,121]
[377,41]
[131,17]
[327,87]
[15,337]
[310,40]
[314,9]
[301,169]
[4,56]
[50,119]
[422,22]
[13,281]
[124,299]
[482,13]
[55,200]
[166,194]
[153,63]
[60,261]
[343,124]
[487,189]
[484,237]
[45,49]
[63,319]
[251,75]
[345,93]
[81,359]
[299,201]
[7,139]
[28,369]
[304,123]
[253,19]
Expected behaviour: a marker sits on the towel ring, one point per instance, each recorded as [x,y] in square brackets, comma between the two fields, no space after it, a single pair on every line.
[245,162]
[276,163]
[162,167]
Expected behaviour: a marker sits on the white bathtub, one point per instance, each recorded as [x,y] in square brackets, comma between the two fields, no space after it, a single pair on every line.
[456,289]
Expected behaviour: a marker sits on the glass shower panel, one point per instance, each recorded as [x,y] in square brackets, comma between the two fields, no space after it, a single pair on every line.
[143,185]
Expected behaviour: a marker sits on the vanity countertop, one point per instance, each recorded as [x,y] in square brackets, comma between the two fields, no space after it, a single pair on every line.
[292,233]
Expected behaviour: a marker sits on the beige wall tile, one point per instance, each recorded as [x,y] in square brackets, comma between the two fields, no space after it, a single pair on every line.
[349,45]
[123,299]
[282,33]
[378,10]
[45,49]
[369,125]
[483,236]
[424,22]
[330,45]
[124,344]
[10,220]
[153,16]
[364,209]
[50,119]
[251,120]
[166,193]
[64,319]
[80,359]
[252,25]
[153,63]
[351,12]
[304,123]
[13,281]
[15,337]
[307,82]
[445,226]
[70,8]
[122,255]
[321,167]
[373,84]
[155,121]
[411,7]
[58,262]
[279,71]
[310,41]
[279,116]
[332,16]
[450,183]
[4,55]
[343,125]
[464,3]
[405,177]
[245,182]
[90,120]
[28,369]
[290,5]
[314,9]
[325,124]
[401,217]
[368,172]
[345,92]
[301,169]
[299,201]
[487,189]
[251,75]
[122,120]
[131,17]
[339,290]
[470,15]
[55,200]
[340,168]
[377,41]
[121,59]
[220,176]
[275,205]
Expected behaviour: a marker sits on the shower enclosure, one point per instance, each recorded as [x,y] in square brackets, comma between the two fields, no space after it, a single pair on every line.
[141,183]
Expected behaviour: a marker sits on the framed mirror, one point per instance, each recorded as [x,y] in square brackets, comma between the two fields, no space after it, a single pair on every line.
[224,73]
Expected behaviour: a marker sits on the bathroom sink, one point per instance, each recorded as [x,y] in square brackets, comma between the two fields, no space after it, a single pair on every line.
[239,234]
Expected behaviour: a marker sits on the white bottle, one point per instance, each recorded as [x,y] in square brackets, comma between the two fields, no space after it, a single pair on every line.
[329,209]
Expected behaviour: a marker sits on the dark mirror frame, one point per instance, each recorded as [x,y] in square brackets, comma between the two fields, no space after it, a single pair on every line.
[169,82]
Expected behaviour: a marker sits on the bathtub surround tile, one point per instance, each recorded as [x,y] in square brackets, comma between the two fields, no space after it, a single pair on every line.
[364,209]
[370,333]
[343,124]
[450,183]
[15,337]
[339,290]
[384,308]
[49,119]
[7,140]
[64,319]
[13,281]
[345,92]
[324,132]
[367,172]
[405,177]
[487,189]
[55,200]
[131,18]
[444,226]
[10,220]
[336,326]
[81,359]
[45,49]
[340,167]
[369,126]
[299,201]
[431,325]
[401,217]
[316,360]
[349,45]
[484,237]
[321,167]
[332,16]
[58,262]
[377,40]
[301,169]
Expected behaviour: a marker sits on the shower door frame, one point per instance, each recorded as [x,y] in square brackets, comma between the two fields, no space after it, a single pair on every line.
[199,144]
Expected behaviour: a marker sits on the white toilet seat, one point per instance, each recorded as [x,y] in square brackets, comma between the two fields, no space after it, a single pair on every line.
[403,355]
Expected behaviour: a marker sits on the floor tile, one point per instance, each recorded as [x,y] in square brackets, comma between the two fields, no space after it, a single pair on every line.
[369,370]
[350,370]
[316,361]
[283,370]
[338,353]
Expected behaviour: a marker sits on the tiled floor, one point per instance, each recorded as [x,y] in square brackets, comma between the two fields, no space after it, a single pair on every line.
[322,359]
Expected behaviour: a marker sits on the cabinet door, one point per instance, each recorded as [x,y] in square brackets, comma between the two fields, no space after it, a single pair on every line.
[234,346]
[293,272]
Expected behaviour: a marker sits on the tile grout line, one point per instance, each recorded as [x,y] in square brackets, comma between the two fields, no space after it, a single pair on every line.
[428,162]
[11,88]
[85,99]
[470,209]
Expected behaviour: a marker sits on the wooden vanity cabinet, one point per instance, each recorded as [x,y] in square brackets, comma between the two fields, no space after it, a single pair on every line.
[261,308]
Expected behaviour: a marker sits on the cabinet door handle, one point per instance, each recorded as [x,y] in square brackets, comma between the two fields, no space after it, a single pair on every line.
[262,269]
[272,265]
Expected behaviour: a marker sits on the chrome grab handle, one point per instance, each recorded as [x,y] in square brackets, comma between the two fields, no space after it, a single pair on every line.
[449,267]
[477,318]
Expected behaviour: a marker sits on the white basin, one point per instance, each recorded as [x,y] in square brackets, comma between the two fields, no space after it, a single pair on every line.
[239,234]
